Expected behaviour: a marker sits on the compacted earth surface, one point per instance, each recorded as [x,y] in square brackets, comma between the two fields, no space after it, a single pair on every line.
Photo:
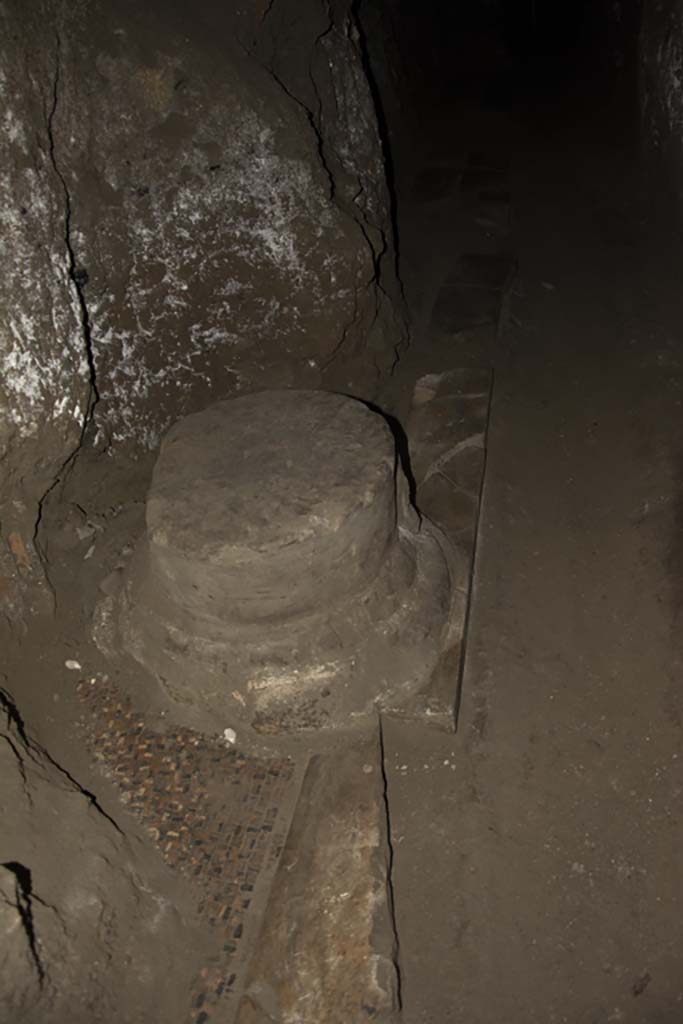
[536,871]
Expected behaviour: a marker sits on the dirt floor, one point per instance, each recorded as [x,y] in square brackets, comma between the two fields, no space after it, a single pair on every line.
[537,874]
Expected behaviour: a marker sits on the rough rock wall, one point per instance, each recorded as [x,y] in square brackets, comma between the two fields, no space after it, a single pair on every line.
[45,387]
[193,204]
[80,920]
[661,85]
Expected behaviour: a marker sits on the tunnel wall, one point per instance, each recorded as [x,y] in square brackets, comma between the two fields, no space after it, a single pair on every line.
[193,205]
[661,89]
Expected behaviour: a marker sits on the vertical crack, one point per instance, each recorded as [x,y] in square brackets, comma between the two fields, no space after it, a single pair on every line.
[16,723]
[390,865]
[384,138]
[310,117]
[77,275]
[23,887]
[78,278]
[267,10]
[20,766]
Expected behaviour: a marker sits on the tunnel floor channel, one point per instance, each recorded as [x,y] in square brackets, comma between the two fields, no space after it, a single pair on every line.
[536,874]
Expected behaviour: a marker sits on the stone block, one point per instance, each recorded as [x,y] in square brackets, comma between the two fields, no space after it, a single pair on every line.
[327,949]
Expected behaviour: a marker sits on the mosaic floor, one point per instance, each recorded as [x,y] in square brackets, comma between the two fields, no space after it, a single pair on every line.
[217,816]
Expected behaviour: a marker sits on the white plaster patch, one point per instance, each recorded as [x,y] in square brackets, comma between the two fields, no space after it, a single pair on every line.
[43,364]
[197,253]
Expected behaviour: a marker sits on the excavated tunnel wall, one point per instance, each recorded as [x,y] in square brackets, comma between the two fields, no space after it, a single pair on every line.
[194,205]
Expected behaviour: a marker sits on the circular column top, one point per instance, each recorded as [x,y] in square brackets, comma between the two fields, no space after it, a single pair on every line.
[267,505]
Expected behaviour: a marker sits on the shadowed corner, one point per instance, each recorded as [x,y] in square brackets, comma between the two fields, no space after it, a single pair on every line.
[402,444]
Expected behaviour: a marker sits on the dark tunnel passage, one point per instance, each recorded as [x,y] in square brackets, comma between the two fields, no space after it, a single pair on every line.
[341,455]
[520,54]
[540,142]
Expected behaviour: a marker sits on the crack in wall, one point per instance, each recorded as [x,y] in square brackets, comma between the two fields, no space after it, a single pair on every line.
[20,766]
[78,278]
[23,894]
[76,274]
[353,210]
[384,138]
[31,748]
[391,902]
[310,117]
[360,220]
[14,719]
[267,10]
